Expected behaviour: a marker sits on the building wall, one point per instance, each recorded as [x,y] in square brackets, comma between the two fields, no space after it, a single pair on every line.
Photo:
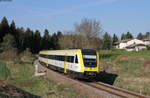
[139,48]
[135,41]
[122,45]
[136,48]
[147,43]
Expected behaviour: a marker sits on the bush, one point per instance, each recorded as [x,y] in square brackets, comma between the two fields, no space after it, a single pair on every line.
[4,71]
[148,47]
[9,55]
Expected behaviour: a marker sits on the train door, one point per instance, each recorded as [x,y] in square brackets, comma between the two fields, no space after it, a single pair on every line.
[46,61]
[65,63]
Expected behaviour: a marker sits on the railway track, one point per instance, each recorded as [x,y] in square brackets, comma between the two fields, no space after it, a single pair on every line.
[91,89]
[114,91]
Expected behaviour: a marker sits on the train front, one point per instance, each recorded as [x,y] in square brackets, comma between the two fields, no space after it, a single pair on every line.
[91,62]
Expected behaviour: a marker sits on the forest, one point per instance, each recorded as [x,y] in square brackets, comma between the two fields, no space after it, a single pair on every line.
[87,34]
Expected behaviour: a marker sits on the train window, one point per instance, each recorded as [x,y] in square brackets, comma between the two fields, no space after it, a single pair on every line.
[76,59]
[59,57]
[70,59]
[43,55]
[50,56]
[63,58]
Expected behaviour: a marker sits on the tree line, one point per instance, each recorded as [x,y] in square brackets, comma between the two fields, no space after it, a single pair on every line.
[110,41]
[21,39]
[87,34]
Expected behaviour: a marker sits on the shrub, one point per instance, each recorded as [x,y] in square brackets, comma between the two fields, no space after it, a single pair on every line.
[4,71]
[148,47]
[9,55]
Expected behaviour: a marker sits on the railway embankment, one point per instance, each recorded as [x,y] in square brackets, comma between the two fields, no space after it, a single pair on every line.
[86,88]
[9,91]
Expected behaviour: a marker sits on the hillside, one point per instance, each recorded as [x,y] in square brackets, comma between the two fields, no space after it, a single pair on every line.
[132,68]
[19,72]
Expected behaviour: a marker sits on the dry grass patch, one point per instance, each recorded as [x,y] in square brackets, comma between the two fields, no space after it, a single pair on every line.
[136,84]
[113,69]
[8,55]
[147,65]
[121,58]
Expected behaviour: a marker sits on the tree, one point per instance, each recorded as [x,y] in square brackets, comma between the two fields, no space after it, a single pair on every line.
[4,28]
[12,28]
[29,40]
[123,37]
[37,42]
[22,37]
[115,39]
[107,41]
[55,40]
[69,41]
[15,33]
[140,36]
[89,31]
[147,35]
[8,43]
[128,35]
[46,40]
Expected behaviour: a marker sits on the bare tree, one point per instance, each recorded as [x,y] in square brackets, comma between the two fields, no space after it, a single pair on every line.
[89,31]
[86,35]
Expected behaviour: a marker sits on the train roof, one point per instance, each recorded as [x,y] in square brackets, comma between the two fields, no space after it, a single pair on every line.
[70,50]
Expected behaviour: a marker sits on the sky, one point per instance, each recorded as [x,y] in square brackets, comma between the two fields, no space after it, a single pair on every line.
[115,16]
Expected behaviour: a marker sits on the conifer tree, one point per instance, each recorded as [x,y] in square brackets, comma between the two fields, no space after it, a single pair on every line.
[37,41]
[8,43]
[123,37]
[4,28]
[29,43]
[147,35]
[140,36]
[46,40]
[128,35]
[115,39]
[107,42]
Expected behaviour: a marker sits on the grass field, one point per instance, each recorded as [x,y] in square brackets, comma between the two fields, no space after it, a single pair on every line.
[132,68]
[21,74]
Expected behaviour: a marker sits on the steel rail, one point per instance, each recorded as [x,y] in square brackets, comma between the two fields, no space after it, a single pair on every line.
[114,90]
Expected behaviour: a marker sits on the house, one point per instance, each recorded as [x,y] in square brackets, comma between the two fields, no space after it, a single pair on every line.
[147,41]
[132,45]
[122,44]
[136,47]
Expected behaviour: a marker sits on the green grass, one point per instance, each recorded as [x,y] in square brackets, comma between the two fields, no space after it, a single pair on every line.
[108,54]
[4,71]
[129,66]
[22,76]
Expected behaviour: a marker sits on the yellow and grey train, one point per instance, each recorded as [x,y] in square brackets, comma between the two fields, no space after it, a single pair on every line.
[80,63]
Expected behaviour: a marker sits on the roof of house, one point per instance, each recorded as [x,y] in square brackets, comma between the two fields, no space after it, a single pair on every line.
[124,41]
[147,39]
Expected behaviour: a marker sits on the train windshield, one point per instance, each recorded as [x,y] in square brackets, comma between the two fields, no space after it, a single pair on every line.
[89,57]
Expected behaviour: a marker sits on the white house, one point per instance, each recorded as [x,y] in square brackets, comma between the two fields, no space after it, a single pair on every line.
[135,47]
[132,45]
[146,41]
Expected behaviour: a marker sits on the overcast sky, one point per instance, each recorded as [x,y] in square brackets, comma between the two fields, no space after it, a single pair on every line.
[116,16]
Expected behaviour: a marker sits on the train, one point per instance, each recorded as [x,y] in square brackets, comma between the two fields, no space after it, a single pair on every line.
[78,63]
